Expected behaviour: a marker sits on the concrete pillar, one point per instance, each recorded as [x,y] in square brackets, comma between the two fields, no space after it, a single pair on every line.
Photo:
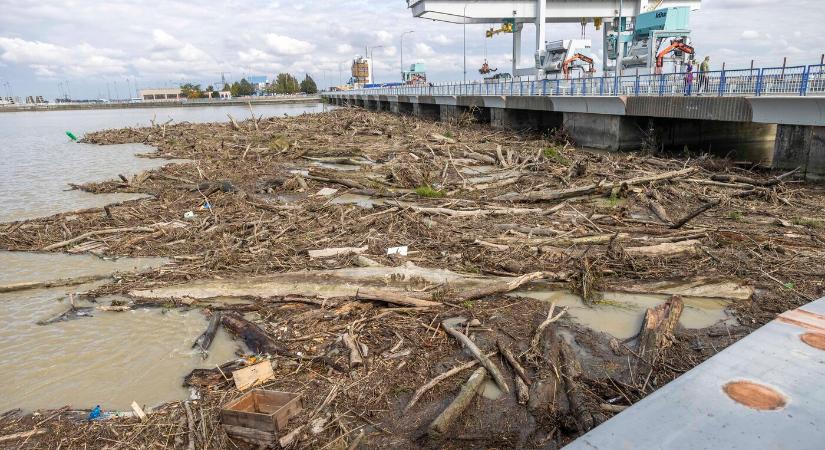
[603,131]
[800,146]
[427,111]
[395,107]
[405,108]
[449,113]
[523,118]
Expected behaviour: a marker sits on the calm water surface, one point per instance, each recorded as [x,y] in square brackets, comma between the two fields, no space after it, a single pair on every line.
[39,160]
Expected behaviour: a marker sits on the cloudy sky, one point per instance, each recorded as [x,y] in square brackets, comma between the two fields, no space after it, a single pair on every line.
[97,48]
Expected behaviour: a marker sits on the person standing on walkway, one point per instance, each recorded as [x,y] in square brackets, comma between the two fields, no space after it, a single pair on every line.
[704,68]
[688,79]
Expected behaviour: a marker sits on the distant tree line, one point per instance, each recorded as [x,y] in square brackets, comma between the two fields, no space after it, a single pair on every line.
[285,83]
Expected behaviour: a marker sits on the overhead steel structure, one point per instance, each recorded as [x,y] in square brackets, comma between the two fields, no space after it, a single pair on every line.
[542,12]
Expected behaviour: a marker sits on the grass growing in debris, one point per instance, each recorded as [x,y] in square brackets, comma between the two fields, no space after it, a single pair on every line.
[809,222]
[429,192]
[554,153]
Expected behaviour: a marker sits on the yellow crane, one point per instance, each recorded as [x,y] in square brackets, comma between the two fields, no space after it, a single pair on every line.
[506,27]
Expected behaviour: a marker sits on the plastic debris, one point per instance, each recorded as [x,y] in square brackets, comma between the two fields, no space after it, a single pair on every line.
[189,215]
[95,413]
[71,136]
[402,251]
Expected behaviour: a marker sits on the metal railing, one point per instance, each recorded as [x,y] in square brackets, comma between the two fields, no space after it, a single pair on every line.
[785,81]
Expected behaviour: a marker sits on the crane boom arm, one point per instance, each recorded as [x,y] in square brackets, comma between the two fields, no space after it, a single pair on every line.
[565,67]
[674,46]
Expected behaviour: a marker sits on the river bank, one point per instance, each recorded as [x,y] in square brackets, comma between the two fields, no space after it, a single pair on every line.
[259,101]
[353,242]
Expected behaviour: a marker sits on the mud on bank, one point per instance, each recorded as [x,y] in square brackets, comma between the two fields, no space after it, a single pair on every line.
[486,205]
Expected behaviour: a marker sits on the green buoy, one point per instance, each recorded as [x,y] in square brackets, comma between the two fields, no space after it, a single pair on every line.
[71,136]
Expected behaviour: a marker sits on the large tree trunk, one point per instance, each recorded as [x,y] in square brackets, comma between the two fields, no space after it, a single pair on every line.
[657,328]
[253,336]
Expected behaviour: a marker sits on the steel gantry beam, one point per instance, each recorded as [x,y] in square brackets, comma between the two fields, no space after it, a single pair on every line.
[528,11]
[537,12]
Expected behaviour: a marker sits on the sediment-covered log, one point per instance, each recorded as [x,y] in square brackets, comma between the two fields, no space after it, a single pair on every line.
[253,336]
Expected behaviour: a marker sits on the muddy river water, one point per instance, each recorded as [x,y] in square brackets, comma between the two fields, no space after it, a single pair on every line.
[110,358]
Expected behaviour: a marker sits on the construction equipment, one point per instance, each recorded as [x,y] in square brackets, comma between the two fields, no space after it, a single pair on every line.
[678,47]
[650,30]
[506,27]
[565,68]
[565,56]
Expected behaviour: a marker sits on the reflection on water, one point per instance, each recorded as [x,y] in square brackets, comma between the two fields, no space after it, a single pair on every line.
[109,359]
[621,315]
[39,160]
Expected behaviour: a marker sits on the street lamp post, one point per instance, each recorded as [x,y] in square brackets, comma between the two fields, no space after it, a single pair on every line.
[464,19]
[372,61]
[402,53]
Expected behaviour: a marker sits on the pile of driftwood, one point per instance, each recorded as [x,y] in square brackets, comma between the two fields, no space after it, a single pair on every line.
[377,262]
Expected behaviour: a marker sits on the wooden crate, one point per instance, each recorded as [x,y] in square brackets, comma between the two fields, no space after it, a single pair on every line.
[260,415]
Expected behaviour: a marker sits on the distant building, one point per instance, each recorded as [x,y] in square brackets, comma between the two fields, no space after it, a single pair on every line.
[259,82]
[225,95]
[417,75]
[35,100]
[161,94]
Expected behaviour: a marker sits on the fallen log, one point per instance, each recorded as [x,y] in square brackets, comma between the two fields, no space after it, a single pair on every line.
[511,359]
[660,212]
[106,231]
[657,327]
[500,287]
[355,358]
[393,297]
[540,329]
[533,231]
[444,421]
[53,283]
[22,435]
[681,222]
[476,352]
[581,191]
[520,378]
[665,249]
[253,336]
[333,252]
[432,383]
[341,181]
[571,371]
[204,341]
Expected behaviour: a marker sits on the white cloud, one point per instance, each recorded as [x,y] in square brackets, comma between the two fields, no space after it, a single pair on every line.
[750,34]
[344,48]
[422,49]
[285,45]
[441,39]
[50,60]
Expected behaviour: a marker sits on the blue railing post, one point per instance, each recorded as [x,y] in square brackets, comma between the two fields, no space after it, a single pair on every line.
[511,87]
[662,83]
[532,88]
[544,86]
[759,83]
[601,85]
[558,87]
[722,83]
[636,87]
[803,86]
[616,84]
